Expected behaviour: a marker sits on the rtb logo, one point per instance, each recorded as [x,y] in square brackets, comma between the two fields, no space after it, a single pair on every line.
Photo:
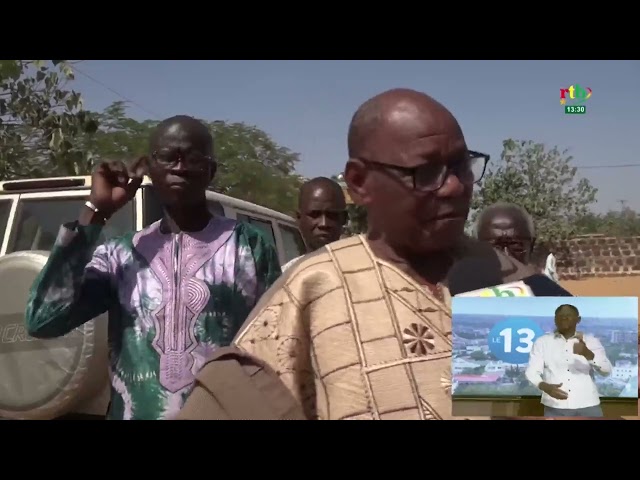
[575,93]
[515,289]
[505,291]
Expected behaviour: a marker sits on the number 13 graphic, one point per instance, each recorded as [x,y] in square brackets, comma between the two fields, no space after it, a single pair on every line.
[524,339]
[512,340]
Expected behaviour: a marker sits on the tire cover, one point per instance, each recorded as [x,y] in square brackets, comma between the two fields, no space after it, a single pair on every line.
[43,378]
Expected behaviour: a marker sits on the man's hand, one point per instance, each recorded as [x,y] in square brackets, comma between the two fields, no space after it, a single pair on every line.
[580,348]
[113,185]
[554,391]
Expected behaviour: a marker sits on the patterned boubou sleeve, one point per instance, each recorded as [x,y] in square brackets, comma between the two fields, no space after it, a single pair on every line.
[257,268]
[74,286]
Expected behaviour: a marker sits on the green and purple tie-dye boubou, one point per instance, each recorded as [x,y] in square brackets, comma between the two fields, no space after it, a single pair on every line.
[172,300]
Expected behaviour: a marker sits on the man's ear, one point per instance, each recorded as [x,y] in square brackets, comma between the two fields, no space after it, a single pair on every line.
[355,176]
[533,244]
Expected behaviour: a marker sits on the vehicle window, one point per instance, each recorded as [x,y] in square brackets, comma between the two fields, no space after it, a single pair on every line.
[38,222]
[5,209]
[264,225]
[215,208]
[151,207]
[292,242]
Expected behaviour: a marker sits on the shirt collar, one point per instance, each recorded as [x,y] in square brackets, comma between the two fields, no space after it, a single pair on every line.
[557,334]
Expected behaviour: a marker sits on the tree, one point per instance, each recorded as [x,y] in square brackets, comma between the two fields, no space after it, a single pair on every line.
[356,214]
[477,355]
[251,165]
[118,137]
[357,219]
[541,180]
[512,372]
[40,120]
[618,223]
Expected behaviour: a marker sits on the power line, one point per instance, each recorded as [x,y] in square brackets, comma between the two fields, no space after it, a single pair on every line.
[153,114]
[623,165]
[132,102]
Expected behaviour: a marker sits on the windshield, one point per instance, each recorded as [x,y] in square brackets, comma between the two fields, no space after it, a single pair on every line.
[38,221]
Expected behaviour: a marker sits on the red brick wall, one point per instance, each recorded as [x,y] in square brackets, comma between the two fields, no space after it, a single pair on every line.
[598,256]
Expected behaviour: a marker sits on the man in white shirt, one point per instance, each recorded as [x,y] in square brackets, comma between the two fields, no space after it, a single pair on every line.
[550,268]
[562,365]
[322,214]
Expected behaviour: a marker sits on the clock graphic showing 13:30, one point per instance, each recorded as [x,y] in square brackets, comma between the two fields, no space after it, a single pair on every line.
[511,340]
[575,109]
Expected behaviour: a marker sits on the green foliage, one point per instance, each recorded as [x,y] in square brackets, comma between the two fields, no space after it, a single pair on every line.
[541,180]
[40,121]
[118,136]
[251,165]
[357,220]
[621,223]
[357,215]
[45,132]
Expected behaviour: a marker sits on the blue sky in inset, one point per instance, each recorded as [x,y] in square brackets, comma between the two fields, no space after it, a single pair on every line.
[598,307]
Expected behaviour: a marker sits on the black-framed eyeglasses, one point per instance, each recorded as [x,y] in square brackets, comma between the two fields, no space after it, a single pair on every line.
[192,160]
[430,177]
[515,245]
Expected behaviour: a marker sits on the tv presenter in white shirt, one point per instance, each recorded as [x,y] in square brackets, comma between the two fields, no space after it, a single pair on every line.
[562,364]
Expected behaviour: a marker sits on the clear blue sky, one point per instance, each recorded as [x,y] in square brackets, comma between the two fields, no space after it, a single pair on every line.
[307,105]
[601,307]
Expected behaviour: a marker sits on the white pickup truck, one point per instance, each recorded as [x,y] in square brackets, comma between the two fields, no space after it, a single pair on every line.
[68,377]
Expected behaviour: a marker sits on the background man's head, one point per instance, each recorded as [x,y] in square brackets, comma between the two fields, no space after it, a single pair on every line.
[410,167]
[321,212]
[567,318]
[508,227]
[181,162]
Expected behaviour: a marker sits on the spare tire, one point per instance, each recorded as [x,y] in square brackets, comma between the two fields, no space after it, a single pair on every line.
[44,379]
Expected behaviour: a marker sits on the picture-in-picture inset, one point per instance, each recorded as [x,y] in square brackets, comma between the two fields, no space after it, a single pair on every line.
[545,356]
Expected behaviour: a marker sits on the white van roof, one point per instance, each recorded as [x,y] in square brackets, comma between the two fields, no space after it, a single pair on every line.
[13,187]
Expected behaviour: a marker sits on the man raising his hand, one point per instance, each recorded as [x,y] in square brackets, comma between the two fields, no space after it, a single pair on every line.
[175,291]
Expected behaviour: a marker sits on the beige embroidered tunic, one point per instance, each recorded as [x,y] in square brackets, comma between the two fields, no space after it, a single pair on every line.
[353,337]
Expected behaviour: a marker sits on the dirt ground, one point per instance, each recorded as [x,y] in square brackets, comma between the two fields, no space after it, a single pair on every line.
[628,286]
